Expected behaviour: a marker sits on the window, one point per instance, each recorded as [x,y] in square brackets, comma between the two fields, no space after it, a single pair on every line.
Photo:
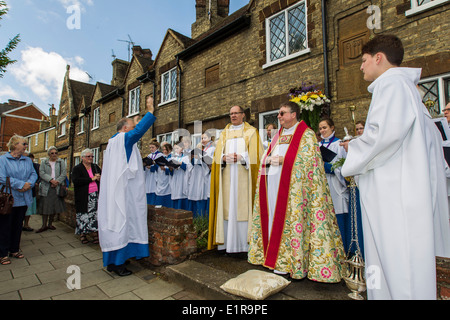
[418,6]
[436,93]
[169,137]
[265,119]
[81,125]
[133,104]
[76,161]
[96,118]
[95,153]
[45,140]
[62,128]
[169,86]
[196,138]
[286,34]
[36,139]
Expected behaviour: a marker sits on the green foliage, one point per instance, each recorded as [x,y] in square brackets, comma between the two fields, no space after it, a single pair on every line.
[12,44]
[201,225]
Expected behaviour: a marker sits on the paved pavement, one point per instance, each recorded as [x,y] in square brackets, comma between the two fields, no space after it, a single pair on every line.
[51,262]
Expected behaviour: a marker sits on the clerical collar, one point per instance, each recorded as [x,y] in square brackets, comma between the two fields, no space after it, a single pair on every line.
[233,127]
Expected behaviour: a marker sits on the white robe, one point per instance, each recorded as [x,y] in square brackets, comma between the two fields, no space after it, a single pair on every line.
[179,181]
[151,177]
[235,232]
[122,207]
[398,168]
[207,171]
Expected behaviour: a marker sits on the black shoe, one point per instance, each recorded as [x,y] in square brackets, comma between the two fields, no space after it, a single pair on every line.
[119,270]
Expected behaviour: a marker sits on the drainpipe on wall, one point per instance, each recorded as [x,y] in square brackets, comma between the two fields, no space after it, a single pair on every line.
[325,48]
[179,92]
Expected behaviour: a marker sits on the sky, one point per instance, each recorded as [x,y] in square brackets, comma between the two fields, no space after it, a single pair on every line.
[84,34]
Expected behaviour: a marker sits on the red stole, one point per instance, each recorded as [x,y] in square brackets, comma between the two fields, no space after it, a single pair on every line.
[271,242]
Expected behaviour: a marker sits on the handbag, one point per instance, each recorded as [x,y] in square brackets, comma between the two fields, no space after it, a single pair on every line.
[62,193]
[6,199]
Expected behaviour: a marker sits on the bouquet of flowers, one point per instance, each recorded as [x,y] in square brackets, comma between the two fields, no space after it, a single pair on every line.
[310,100]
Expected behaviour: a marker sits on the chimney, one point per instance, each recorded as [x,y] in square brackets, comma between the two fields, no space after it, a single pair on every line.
[15,103]
[120,68]
[208,13]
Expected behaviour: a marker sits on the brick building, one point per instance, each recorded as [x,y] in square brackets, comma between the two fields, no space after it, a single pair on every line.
[252,57]
[40,141]
[17,117]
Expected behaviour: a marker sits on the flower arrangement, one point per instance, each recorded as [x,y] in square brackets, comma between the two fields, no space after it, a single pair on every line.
[307,97]
[310,100]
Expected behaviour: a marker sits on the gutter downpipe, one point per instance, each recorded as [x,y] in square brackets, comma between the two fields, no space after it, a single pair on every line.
[179,92]
[325,48]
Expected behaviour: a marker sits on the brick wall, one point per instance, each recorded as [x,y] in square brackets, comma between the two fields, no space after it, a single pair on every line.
[171,235]
[443,278]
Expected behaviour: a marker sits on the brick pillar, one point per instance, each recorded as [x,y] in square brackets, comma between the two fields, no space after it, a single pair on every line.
[443,278]
[171,235]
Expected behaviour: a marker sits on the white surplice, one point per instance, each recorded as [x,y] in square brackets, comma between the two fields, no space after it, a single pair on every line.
[235,232]
[122,208]
[179,179]
[400,171]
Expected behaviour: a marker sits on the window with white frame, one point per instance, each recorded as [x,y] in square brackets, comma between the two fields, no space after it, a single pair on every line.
[166,137]
[436,92]
[266,118]
[81,124]
[133,104]
[45,140]
[96,118]
[169,86]
[418,6]
[62,128]
[95,153]
[36,139]
[287,34]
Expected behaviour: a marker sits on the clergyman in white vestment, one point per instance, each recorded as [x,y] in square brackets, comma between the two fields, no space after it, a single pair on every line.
[400,169]
[122,208]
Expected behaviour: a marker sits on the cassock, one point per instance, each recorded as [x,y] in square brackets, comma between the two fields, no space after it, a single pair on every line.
[233,188]
[122,207]
[401,179]
[338,187]
[294,227]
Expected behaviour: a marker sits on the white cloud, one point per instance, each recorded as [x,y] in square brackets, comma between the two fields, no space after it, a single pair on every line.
[8,92]
[43,72]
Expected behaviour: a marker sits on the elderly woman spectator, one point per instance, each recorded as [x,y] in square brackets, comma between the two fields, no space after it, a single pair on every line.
[53,174]
[22,176]
[86,182]
[32,209]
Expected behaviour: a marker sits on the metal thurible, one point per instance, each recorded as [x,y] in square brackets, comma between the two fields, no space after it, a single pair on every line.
[354,279]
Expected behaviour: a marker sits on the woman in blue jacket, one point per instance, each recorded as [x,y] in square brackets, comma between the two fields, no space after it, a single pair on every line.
[20,171]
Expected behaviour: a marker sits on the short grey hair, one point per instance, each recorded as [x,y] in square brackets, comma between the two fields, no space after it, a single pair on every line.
[86,151]
[14,141]
[51,148]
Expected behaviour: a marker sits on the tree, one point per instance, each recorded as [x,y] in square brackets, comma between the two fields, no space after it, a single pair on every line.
[12,44]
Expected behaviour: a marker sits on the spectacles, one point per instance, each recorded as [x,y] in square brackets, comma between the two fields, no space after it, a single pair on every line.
[24,144]
[88,156]
[53,152]
[446,109]
[281,113]
[235,113]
